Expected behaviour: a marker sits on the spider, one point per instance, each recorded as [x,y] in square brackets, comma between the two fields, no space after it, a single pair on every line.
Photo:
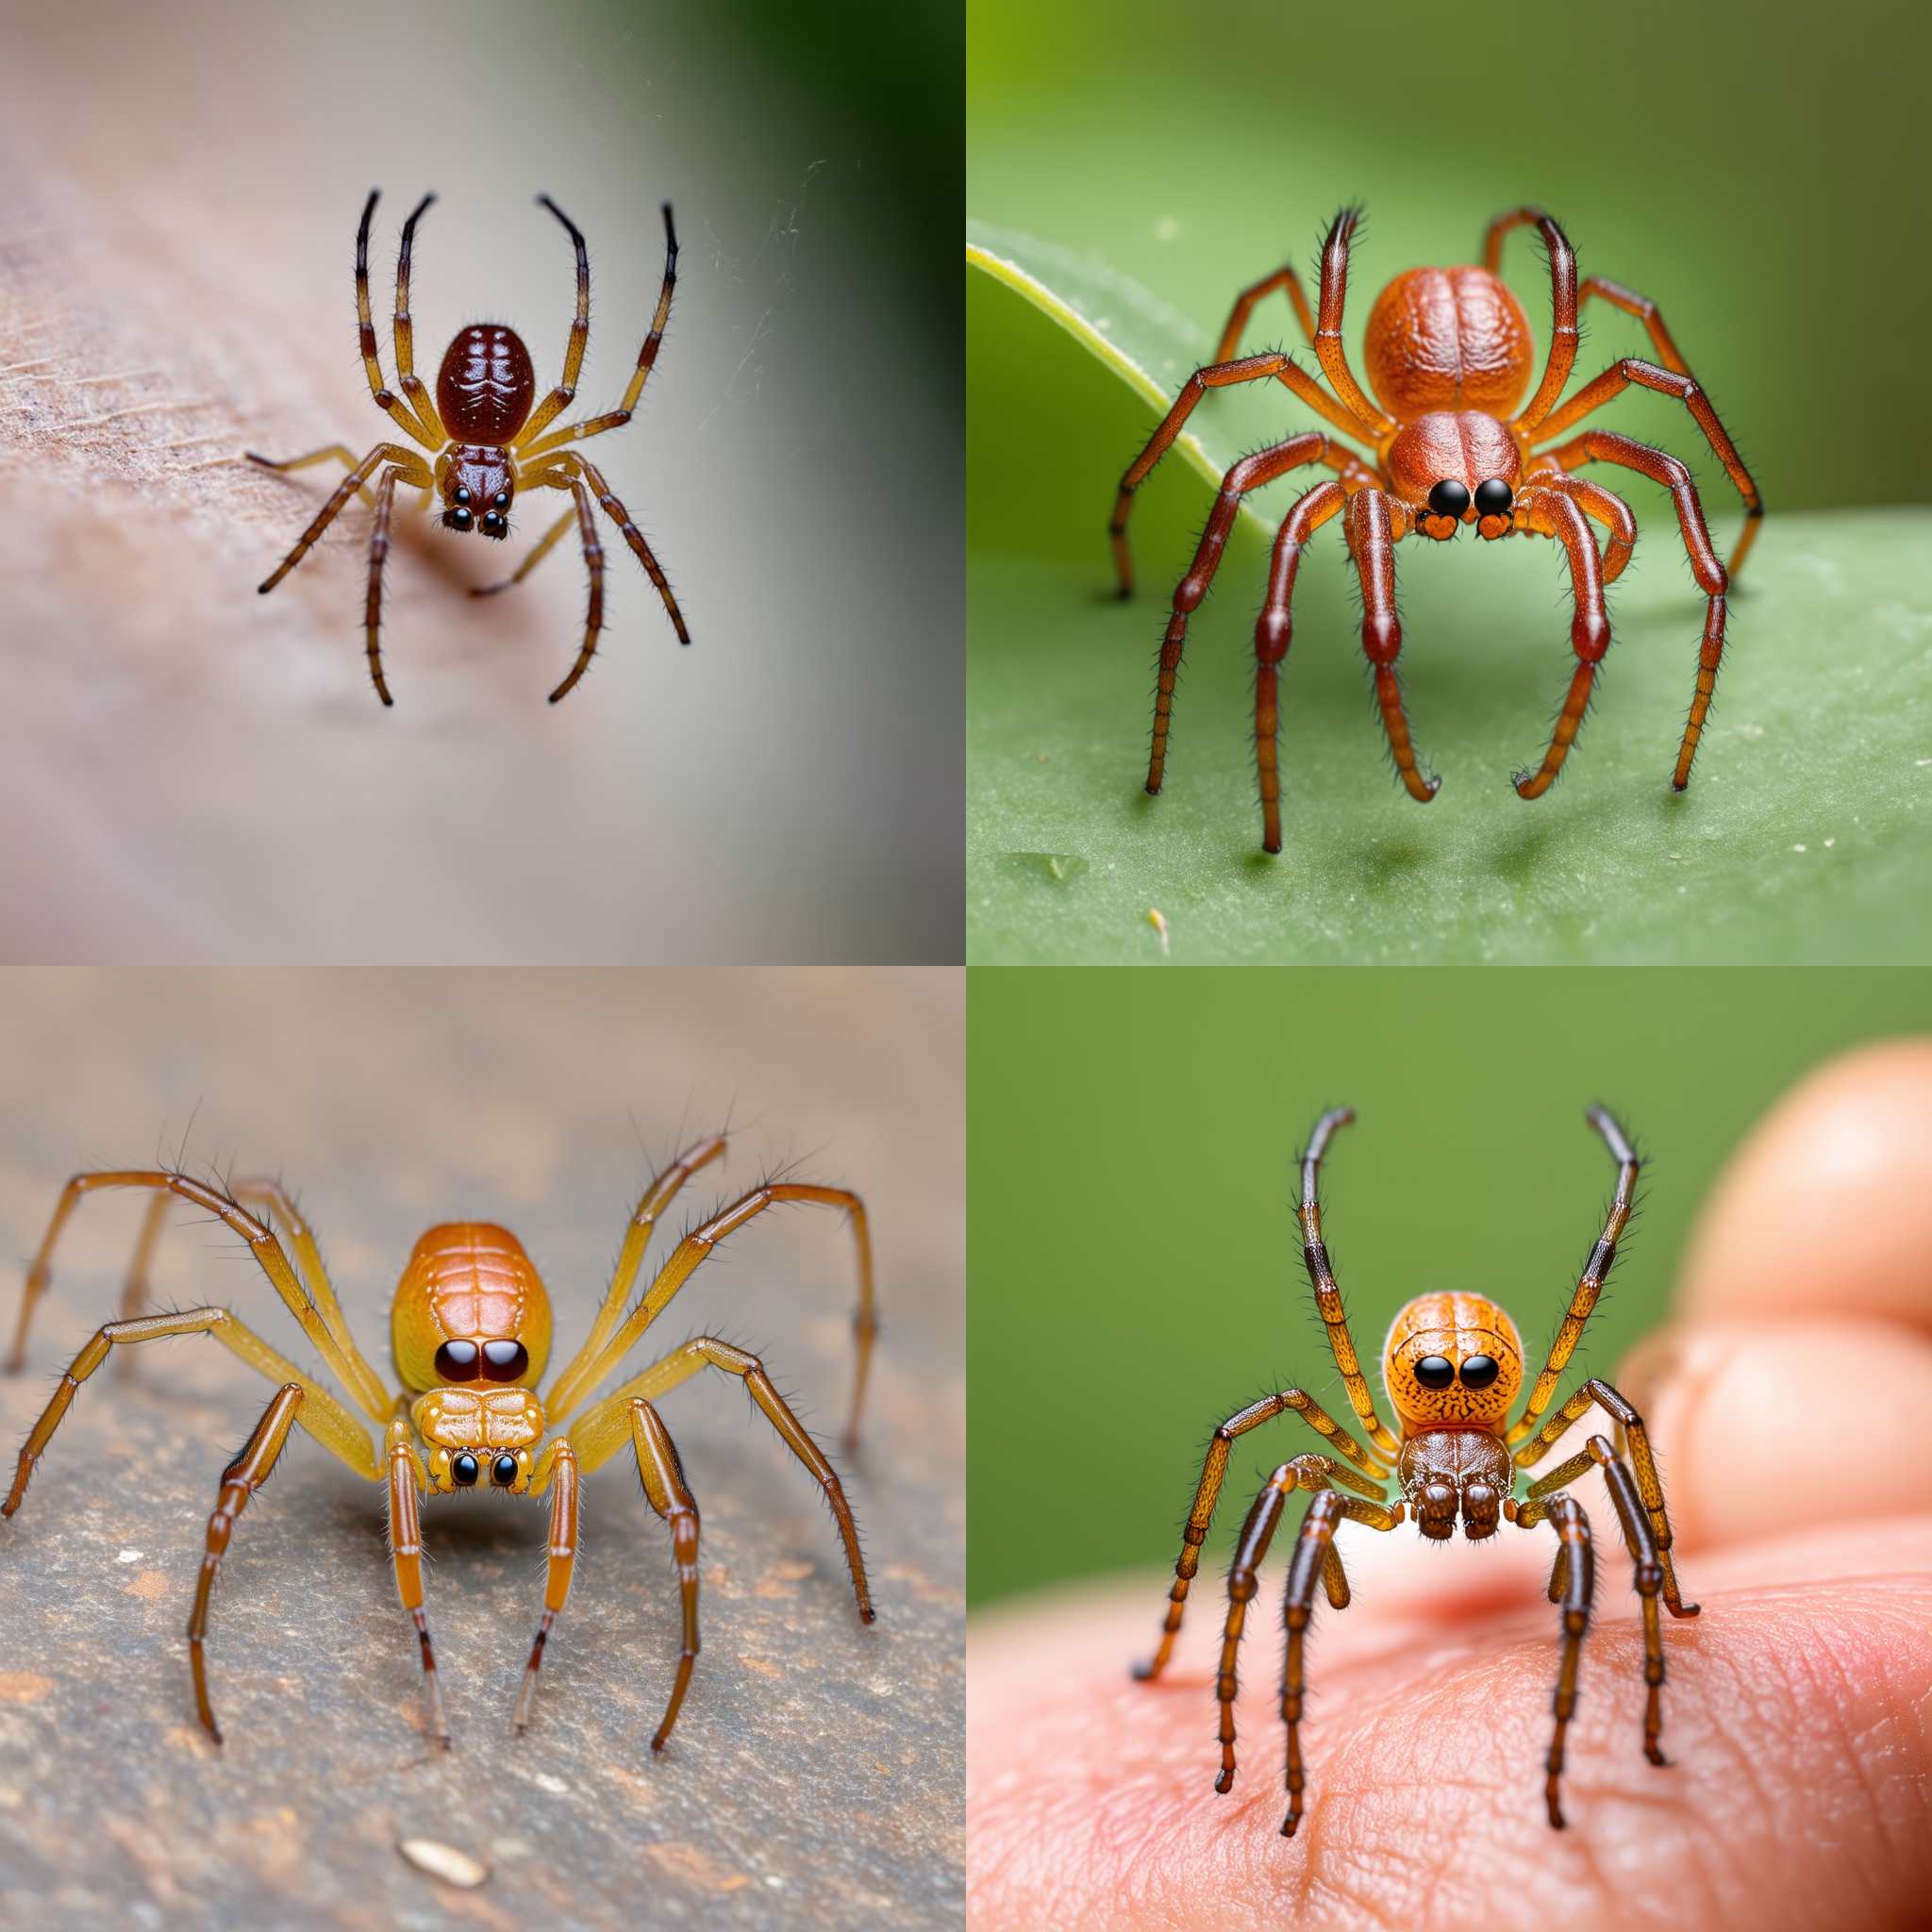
[486,441]
[1452,1367]
[469,1333]
[1449,356]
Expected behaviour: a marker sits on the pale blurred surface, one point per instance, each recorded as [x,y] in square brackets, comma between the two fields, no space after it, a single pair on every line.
[816,1775]
[190,772]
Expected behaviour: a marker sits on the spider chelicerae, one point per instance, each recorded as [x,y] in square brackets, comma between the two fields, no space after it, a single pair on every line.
[486,442]
[1452,1367]
[470,1334]
[1449,356]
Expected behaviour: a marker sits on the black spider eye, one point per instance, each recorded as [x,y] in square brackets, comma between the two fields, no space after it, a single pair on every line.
[455,1361]
[492,524]
[462,1470]
[461,496]
[1492,500]
[503,1471]
[1479,1371]
[501,500]
[504,1361]
[1435,1371]
[460,518]
[1448,499]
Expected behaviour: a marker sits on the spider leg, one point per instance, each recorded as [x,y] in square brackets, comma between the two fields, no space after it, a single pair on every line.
[1283,368]
[321,1415]
[1207,1494]
[378,551]
[240,1481]
[1283,278]
[1589,1285]
[1333,358]
[670,1496]
[269,1255]
[1601,506]
[138,1285]
[408,380]
[340,451]
[405,418]
[1374,523]
[564,393]
[590,1369]
[1641,1540]
[659,1193]
[531,443]
[602,1431]
[409,466]
[555,1471]
[1604,446]
[545,546]
[1273,630]
[1556,513]
[1649,1484]
[1563,305]
[407,1481]
[1573,1585]
[1687,390]
[1250,472]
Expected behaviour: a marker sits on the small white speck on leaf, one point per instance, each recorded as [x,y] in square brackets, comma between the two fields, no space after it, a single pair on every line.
[555,1785]
[444,1862]
[1797,849]
[1167,229]
[130,1556]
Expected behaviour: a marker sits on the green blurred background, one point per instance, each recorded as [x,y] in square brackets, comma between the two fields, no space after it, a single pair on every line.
[1758,171]
[1135,1273]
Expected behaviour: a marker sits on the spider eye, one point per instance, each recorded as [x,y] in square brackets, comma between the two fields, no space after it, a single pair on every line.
[501,500]
[504,1361]
[1436,1370]
[455,1361]
[462,1470]
[503,1471]
[1492,500]
[1448,499]
[494,525]
[1479,1371]
[460,518]
[461,496]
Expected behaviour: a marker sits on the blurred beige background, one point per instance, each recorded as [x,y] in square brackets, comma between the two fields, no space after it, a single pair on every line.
[190,772]
[817,1772]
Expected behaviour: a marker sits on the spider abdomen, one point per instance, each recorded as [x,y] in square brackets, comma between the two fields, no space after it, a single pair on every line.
[486,386]
[1447,339]
[467,1279]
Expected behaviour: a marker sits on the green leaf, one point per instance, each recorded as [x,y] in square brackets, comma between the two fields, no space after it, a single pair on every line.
[1803,836]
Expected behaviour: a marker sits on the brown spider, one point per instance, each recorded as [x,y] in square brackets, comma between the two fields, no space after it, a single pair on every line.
[486,442]
[1449,356]
[470,1332]
[1452,1367]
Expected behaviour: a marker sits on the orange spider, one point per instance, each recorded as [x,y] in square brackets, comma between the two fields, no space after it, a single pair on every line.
[1449,356]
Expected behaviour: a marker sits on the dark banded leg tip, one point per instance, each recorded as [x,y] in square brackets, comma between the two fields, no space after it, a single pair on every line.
[1223,1782]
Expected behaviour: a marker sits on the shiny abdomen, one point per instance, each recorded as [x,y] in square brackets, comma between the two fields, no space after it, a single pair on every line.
[467,1279]
[1450,339]
[486,384]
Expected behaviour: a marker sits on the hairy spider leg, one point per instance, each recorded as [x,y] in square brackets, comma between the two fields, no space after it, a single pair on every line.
[408,1482]
[409,466]
[378,551]
[406,418]
[556,1471]
[1641,1538]
[240,1481]
[1374,523]
[1606,446]
[1327,1290]
[337,1353]
[585,1373]
[1601,506]
[340,452]
[404,336]
[1250,472]
[1208,1495]
[659,1191]
[532,444]
[1590,1284]
[1564,303]
[1573,1585]
[1370,421]
[1273,631]
[1283,278]
[1273,364]
[1556,514]
[564,393]
[544,544]
[1649,1484]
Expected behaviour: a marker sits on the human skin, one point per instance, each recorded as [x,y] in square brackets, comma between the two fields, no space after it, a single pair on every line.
[1788,1402]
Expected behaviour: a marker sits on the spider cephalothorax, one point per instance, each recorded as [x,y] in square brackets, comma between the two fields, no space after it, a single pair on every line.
[1452,1367]
[486,439]
[1448,442]
[469,1329]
